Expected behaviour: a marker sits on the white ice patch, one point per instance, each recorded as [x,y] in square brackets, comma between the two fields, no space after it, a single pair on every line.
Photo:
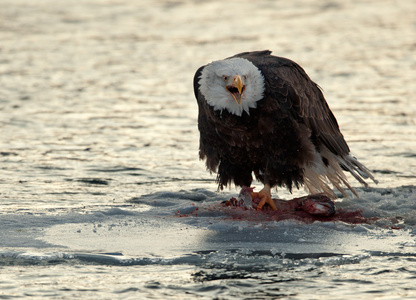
[175,224]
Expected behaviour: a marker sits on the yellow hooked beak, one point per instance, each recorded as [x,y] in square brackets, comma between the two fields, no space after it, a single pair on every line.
[236,89]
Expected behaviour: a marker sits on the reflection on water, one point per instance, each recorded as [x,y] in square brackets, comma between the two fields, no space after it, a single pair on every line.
[242,275]
[104,92]
[97,108]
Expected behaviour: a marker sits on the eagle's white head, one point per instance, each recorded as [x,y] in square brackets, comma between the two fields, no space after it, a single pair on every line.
[234,84]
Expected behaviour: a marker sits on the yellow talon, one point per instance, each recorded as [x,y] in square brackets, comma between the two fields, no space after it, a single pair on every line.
[265,197]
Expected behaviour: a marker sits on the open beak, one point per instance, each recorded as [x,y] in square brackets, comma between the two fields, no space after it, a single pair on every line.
[236,89]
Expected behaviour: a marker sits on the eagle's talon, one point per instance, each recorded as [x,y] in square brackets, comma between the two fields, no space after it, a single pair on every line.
[265,196]
[261,203]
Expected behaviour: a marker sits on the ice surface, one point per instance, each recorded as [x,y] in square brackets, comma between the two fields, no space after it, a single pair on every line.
[175,224]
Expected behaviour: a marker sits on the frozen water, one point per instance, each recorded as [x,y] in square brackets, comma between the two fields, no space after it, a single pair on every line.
[185,243]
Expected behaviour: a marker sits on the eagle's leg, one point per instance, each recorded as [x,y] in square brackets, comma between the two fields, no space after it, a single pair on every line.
[265,196]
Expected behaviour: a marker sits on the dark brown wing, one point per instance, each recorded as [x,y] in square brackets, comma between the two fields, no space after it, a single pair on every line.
[196,82]
[288,83]
[208,136]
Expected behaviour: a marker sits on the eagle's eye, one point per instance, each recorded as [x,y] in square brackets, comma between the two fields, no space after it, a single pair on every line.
[225,77]
[245,77]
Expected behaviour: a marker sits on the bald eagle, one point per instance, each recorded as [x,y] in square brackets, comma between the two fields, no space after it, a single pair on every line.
[262,114]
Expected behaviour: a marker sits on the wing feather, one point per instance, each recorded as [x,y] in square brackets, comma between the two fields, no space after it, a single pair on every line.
[290,84]
[292,88]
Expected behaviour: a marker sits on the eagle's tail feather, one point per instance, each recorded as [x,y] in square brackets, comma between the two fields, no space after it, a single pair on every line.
[361,169]
[318,175]
[315,183]
[348,165]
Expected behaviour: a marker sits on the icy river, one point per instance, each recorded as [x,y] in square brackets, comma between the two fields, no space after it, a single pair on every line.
[102,195]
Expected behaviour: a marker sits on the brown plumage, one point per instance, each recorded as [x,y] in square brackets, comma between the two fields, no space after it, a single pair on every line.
[288,137]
